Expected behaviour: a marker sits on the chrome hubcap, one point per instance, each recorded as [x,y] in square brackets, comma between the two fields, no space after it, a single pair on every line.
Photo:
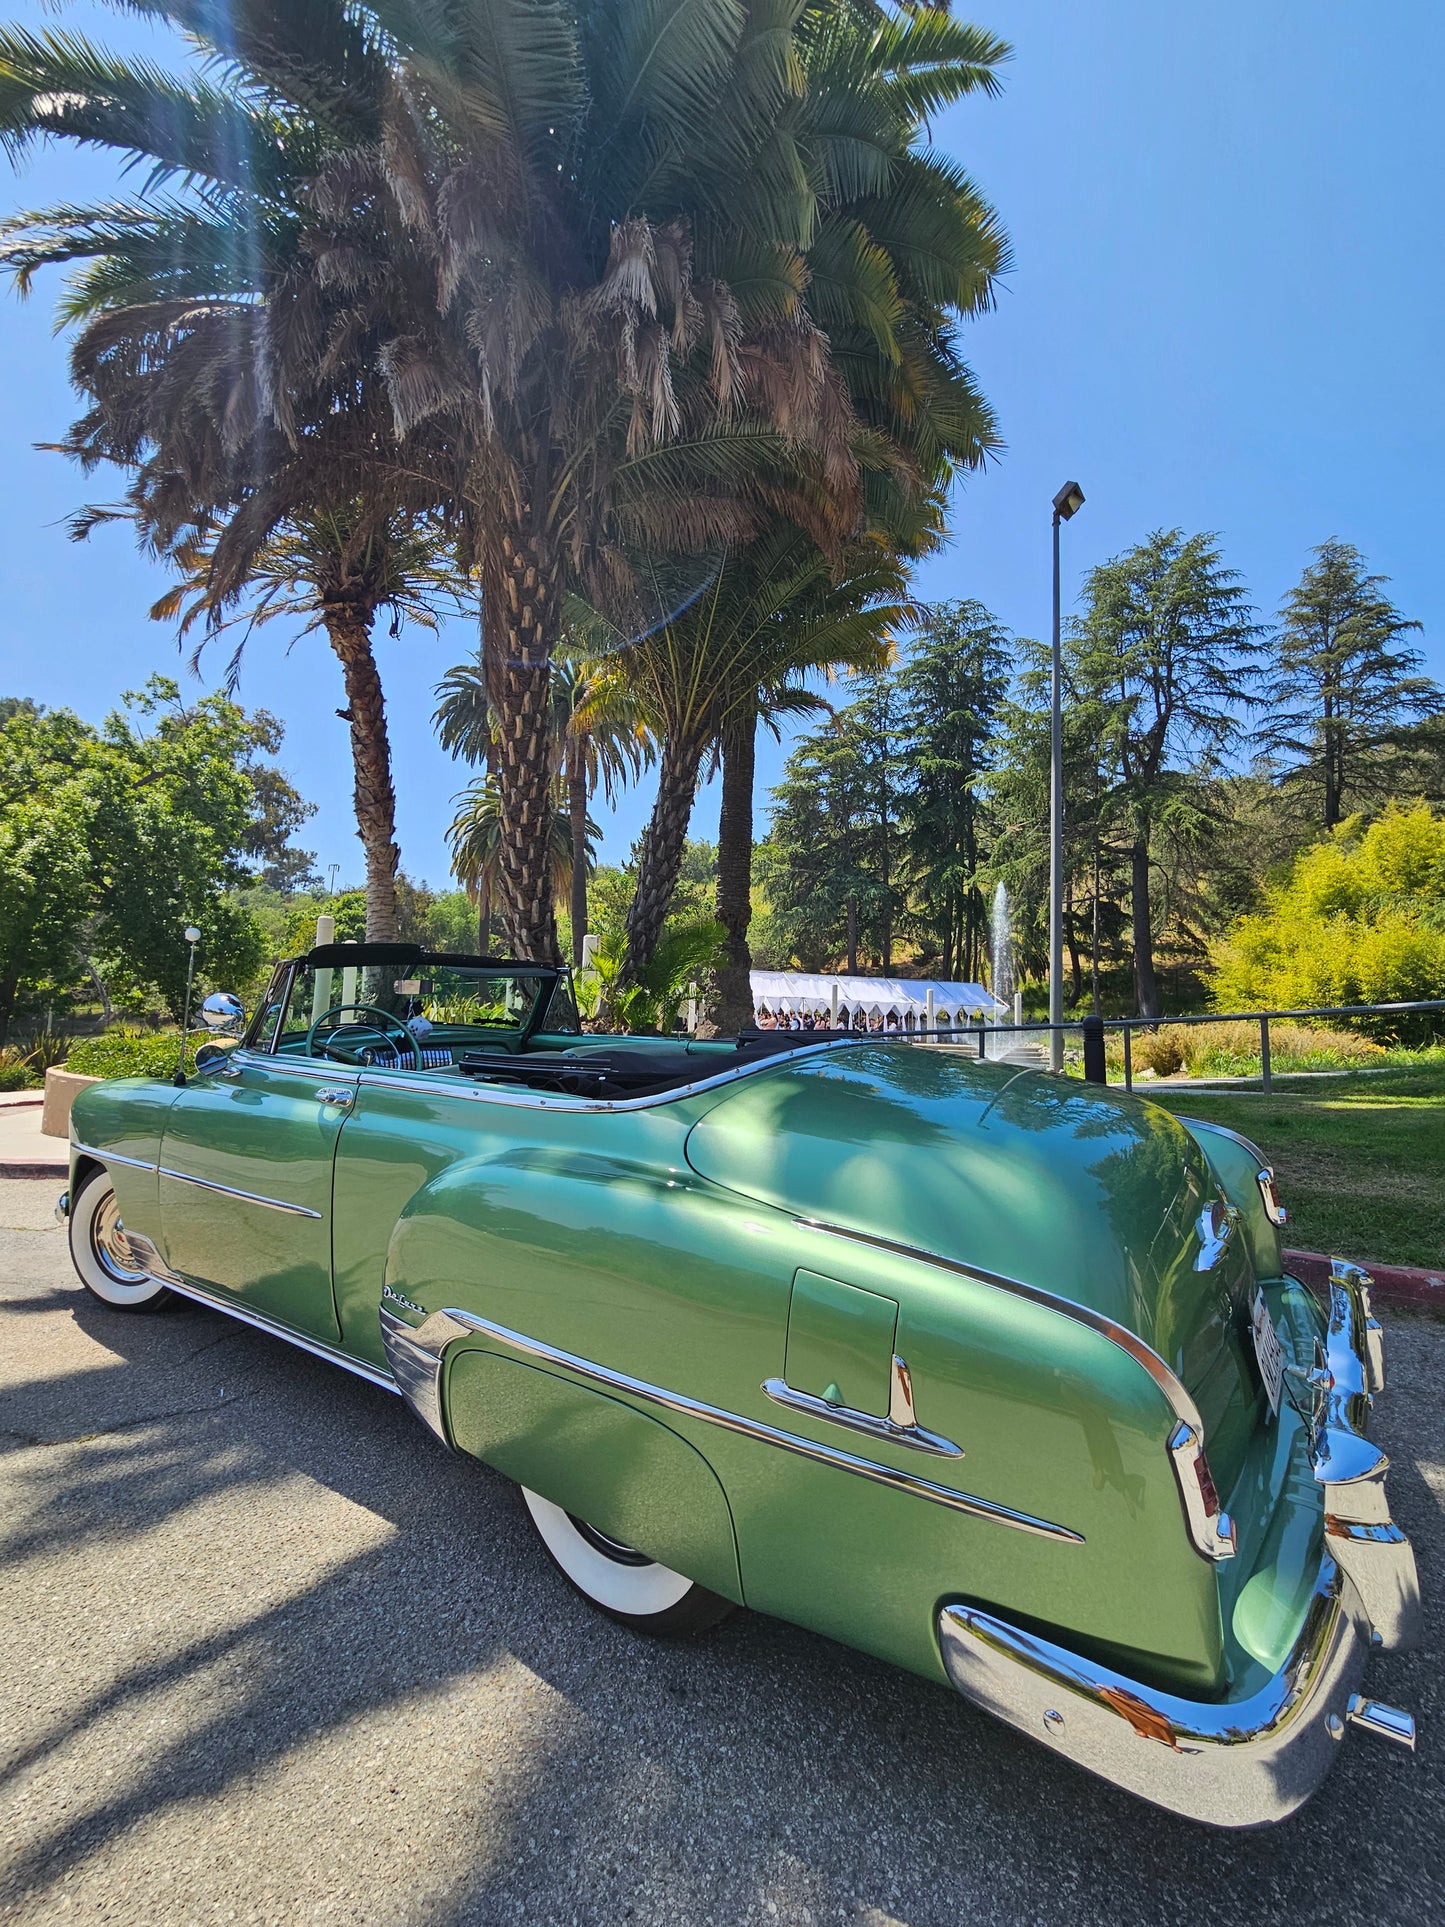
[112,1247]
[612,1549]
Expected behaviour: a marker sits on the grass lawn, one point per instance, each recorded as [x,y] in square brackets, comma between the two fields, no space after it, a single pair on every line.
[1360,1160]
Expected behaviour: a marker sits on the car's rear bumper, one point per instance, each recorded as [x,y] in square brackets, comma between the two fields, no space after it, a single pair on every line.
[1242,1762]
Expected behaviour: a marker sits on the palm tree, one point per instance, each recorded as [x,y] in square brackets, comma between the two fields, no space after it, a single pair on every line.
[596,742]
[254,485]
[475,840]
[336,573]
[767,614]
[585,257]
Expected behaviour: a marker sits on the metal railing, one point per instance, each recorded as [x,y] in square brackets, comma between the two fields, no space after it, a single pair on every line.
[1094,1030]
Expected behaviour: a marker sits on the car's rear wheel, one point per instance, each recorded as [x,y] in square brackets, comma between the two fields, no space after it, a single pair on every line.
[101,1252]
[623,1583]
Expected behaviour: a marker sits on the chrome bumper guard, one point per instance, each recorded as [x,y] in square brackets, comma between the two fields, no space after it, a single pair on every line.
[1239,1763]
[1359,1532]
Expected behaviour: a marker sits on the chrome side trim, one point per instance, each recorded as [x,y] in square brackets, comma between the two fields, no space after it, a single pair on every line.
[1180,1403]
[418,1353]
[900,1427]
[373,1374]
[229,1191]
[415,1354]
[459,1086]
[1240,1763]
[156,1266]
[114,1157]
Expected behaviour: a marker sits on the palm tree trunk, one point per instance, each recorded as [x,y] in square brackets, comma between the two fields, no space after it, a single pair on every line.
[349,632]
[733,1003]
[484,913]
[577,813]
[518,631]
[1146,988]
[661,857]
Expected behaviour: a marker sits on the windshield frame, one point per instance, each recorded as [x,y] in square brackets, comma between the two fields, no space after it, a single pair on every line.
[407,959]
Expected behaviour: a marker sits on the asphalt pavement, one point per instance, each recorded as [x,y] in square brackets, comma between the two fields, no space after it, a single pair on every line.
[271,1655]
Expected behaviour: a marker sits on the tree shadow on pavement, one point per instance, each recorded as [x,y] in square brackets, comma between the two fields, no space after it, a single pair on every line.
[346,1650]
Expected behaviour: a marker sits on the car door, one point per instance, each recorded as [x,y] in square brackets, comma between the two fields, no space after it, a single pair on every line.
[245,1184]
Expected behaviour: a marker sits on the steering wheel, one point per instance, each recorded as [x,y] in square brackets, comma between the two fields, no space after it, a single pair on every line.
[383,1027]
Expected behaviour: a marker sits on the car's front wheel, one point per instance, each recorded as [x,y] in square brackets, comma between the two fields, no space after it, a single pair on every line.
[623,1583]
[101,1253]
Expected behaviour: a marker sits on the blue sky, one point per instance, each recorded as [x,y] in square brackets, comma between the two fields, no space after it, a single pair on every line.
[1225,313]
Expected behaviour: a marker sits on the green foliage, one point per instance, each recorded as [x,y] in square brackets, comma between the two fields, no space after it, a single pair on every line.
[652,1000]
[113,840]
[1359,919]
[125,1053]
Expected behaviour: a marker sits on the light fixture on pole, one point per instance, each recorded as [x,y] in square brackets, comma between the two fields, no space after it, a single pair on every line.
[1067,503]
[192,936]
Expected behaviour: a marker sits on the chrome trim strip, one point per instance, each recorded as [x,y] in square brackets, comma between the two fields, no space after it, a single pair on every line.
[894,1429]
[1229,1763]
[373,1374]
[463,1087]
[113,1157]
[245,1197]
[1180,1403]
[308,1067]
[415,1354]
[419,1378]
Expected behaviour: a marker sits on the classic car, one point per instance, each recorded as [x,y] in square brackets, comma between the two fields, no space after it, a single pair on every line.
[992,1373]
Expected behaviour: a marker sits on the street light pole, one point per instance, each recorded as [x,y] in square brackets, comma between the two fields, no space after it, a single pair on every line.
[1067,503]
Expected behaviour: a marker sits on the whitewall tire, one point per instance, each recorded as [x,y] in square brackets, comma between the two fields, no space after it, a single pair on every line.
[626,1585]
[101,1253]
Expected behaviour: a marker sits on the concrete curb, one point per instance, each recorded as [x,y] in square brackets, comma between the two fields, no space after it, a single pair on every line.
[33,1168]
[1398,1287]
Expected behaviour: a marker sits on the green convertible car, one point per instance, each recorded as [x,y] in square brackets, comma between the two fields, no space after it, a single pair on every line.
[991,1373]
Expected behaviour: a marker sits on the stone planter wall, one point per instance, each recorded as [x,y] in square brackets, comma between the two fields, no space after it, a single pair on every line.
[61,1089]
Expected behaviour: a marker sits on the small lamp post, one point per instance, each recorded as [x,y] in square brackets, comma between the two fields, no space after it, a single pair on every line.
[1067,503]
[192,936]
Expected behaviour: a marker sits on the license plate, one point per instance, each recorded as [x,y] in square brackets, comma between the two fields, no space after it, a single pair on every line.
[1268,1352]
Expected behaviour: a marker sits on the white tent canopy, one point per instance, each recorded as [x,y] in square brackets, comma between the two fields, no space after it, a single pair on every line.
[795,990]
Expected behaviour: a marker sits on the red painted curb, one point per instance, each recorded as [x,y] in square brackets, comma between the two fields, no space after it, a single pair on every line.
[32,1168]
[1403,1287]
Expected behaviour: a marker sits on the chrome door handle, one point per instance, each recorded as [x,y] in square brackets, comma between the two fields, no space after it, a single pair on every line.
[335,1097]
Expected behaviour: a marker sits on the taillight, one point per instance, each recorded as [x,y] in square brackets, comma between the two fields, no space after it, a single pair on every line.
[1211,1530]
[1269,1191]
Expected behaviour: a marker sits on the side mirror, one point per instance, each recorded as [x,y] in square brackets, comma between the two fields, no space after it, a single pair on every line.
[224,1012]
[210,1057]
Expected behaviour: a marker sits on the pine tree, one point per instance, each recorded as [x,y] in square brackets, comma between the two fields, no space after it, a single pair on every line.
[953,688]
[1345,690]
[1169,642]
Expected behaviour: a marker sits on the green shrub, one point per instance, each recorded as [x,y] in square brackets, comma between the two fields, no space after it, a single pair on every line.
[1160,1051]
[122,1053]
[1361,920]
[17,1070]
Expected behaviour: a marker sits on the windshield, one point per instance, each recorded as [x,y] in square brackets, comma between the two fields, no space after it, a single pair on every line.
[441,1003]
